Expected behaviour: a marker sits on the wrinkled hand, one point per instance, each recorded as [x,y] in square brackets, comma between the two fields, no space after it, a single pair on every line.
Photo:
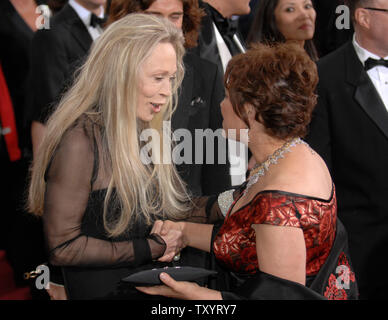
[172,234]
[181,290]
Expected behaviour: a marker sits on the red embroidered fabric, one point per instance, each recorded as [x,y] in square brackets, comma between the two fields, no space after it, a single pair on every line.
[235,243]
[341,280]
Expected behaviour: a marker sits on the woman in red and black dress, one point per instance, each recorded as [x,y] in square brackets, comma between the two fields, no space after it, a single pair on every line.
[281,238]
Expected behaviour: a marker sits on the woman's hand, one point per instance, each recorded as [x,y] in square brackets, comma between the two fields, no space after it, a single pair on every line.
[172,234]
[181,290]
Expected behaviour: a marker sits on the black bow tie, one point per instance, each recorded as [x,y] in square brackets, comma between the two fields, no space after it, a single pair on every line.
[371,63]
[227,27]
[96,21]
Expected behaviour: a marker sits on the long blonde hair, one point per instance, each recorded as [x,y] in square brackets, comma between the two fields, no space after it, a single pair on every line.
[106,89]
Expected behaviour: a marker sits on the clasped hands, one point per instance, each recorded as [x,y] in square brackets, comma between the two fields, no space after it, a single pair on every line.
[172,234]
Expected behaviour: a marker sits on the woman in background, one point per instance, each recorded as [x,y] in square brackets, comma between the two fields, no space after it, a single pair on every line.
[282,20]
[199,96]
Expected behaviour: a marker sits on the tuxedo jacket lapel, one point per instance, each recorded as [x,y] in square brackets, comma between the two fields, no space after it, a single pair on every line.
[369,99]
[77,29]
[365,93]
[81,34]
[207,43]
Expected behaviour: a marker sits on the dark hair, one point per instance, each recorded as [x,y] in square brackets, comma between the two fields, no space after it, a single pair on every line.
[265,30]
[56,5]
[192,16]
[279,81]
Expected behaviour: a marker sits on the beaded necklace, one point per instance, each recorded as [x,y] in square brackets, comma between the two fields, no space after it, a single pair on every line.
[260,169]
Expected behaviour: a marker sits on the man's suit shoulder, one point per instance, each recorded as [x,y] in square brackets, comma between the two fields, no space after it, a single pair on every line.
[66,15]
[60,25]
[62,21]
[207,32]
[197,62]
[333,59]
[200,64]
[332,67]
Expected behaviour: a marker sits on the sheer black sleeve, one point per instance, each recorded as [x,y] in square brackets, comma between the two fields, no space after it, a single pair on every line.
[67,194]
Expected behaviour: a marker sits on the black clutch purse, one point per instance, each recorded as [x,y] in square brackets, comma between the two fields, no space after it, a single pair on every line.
[151,277]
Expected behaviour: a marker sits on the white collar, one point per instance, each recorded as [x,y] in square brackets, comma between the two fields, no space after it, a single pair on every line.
[84,14]
[362,53]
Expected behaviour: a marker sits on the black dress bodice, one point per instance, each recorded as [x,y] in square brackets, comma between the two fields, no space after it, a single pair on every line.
[105,282]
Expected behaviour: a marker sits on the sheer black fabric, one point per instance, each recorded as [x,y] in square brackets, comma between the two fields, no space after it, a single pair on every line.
[92,262]
[77,181]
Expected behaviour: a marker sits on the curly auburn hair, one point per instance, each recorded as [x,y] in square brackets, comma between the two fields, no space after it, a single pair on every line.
[192,15]
[279,81]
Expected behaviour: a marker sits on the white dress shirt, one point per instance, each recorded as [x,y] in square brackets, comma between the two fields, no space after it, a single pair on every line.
[238,152]
[378,74]
[85,15]
[222,48]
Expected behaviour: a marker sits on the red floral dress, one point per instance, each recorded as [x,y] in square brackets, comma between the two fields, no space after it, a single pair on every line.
[235,243]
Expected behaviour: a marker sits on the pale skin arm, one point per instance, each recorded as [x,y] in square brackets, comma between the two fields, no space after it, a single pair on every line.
[280,250]
[198,235]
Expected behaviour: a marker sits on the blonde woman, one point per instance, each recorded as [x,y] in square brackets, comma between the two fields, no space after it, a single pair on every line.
[97,198]
[200,94]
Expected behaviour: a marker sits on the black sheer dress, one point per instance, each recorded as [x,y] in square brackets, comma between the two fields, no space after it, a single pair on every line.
[92,263]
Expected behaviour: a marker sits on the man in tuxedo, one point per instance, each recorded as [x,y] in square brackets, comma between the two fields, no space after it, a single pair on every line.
[218,41]
[56,53]
[349,130]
